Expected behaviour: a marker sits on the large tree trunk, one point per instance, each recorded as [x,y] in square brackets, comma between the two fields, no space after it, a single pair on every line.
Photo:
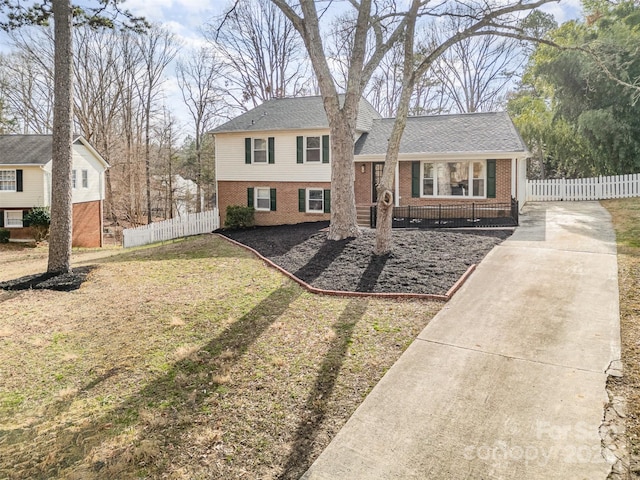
[384,219]
[344,223]
[60,236]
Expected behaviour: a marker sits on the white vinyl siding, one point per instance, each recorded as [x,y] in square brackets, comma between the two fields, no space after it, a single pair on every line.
[230,159]
[90,181]
[34,193]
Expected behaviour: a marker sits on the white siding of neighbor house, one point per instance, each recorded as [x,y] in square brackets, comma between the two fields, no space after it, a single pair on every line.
[33,194]
[230,157]
[83,159]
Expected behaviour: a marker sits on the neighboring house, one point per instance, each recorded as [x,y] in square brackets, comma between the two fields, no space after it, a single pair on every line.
[25,182]
[276,158]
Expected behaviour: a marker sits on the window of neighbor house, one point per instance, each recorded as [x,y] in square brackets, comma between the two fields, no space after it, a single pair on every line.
[85,178]
[313,149]
[13,218]
[454,179]
[74,179]
[263,198]
[8,181]
[315,200]
[259,150]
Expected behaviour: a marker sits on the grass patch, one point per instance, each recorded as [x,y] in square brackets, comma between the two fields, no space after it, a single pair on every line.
[625,214]
[184,360]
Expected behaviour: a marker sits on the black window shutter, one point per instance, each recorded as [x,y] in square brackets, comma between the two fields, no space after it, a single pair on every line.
[247,150]
[272,150]
[1,218]
[249,197]
[325,149]
[415,179]
[491,179]
[272,194]
[299,149]
[327,201]
[18,180]
[25,223]
[302,200]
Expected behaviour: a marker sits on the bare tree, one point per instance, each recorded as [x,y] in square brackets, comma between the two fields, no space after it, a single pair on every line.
[263,54]
[198,78]
[500,21]
[476,72]
[158,48]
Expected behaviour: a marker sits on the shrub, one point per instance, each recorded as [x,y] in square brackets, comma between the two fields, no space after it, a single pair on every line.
[4,235]
[38,219]
[239,217]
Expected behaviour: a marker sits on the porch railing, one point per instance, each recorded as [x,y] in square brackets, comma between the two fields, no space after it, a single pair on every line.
[453,216]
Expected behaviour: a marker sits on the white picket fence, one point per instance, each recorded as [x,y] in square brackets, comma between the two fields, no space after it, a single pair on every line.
[596,188]
[191,224]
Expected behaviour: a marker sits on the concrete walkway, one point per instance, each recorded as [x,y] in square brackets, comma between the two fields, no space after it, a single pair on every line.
[508,380]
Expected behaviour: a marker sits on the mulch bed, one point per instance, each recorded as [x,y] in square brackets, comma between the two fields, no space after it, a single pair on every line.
[422,261]
[66,282]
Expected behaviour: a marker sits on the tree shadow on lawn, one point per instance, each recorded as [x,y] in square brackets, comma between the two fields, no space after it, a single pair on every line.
[319,396]
[72,445]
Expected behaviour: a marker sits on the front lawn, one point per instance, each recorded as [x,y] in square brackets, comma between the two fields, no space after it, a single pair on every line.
[186,360]
[625,214]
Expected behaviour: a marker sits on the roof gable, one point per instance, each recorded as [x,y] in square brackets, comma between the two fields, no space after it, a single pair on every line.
[443,134]
[299,113]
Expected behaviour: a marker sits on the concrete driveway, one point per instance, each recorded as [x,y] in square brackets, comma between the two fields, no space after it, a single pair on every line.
[508,380]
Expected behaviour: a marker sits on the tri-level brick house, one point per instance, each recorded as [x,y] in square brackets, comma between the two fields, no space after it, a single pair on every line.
[276,158]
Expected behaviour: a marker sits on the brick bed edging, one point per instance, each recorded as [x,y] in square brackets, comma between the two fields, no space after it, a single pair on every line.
[340,293]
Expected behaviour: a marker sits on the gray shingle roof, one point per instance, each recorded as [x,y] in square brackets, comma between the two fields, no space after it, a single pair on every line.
[25,149]
[292,113]
[459,133]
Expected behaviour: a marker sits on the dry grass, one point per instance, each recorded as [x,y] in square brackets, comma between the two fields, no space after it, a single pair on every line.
[626,220]
[187,360]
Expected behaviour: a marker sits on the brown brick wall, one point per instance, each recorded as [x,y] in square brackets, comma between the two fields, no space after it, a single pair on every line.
[363,183]
[503,187]
[87,224]
[235,193]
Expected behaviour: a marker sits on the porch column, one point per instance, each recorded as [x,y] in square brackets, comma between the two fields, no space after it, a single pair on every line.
[396,195]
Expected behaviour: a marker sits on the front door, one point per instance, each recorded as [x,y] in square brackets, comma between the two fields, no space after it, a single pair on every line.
[376,172]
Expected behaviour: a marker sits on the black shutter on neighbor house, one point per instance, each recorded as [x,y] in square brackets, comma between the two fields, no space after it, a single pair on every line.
[302,200]
[415,179]
[491,179]
[327,201]
[272,150]
[249,197]
[25,223]
[18,180]
[272,195]
[247,150]
[325,149]
[299,150]
[1,218]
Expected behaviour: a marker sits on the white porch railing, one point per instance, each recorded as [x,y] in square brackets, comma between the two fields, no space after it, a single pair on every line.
[596,188]
[191,224]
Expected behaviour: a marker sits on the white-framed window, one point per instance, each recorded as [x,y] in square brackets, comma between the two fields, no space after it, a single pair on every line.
[315,200]
[313,149]
[85,178]
[259,150]
[464,178]
[13,218]
[8,182]
[262,198]
[74,179]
